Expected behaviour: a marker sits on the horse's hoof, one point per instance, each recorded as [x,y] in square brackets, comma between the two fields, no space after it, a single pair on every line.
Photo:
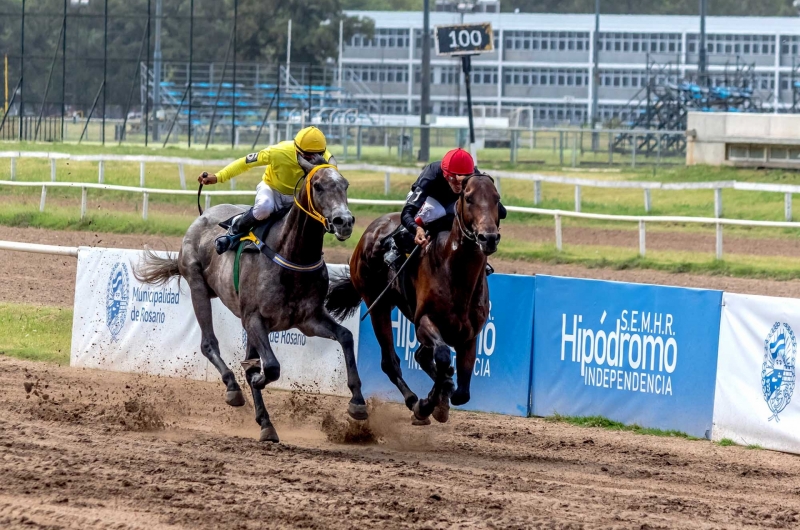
[234,398]
[411,401]
[269,434]
[459,397]
[357,412]
[416,422]
[419,416]
[442,412]
[258,381]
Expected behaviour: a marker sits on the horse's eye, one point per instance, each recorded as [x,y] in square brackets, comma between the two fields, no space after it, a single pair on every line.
[317,186]
[468,198]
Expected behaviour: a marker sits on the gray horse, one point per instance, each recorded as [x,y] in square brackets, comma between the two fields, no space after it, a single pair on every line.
[271,297]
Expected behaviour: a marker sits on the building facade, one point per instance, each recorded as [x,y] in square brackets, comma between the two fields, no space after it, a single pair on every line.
[542,63]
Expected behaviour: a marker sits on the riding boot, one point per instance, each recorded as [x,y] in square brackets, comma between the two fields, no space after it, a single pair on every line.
[393,258]
[241,224]
[489,270]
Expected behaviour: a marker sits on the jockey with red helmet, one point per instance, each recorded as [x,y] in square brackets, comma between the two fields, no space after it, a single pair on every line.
[432,197]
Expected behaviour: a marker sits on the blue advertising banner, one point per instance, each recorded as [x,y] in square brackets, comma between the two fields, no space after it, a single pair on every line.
[633,353]
[501,377]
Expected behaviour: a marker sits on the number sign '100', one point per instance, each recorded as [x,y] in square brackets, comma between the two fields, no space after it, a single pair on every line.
[467,39]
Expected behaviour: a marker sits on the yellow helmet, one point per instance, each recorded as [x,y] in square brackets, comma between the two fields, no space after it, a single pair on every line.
[310,140]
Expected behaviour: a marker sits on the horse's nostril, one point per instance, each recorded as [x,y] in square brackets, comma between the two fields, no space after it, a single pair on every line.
[338,221]
[482,237]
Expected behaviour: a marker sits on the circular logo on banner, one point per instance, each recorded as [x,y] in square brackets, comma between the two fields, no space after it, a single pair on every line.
[117,294]
[777,372]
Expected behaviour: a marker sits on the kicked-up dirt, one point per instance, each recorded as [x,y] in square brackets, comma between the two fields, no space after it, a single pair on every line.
[88,449]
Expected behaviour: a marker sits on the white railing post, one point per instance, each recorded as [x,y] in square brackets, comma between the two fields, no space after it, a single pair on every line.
[537,192]
[52,170]
[43,199]
[83,203]
[717,202]
[387,183]
[141,174]
[633,151]
[182,175]
[787,206]
[647,203]
[208,202]
[101,171]
[558,232]
[719,241]
[577,198]
[497,184]
[233,183]
[13,168]
[642,244]
[145,200]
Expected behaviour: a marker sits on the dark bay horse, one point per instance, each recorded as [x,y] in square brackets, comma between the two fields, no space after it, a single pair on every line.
[271,297]
[451,300]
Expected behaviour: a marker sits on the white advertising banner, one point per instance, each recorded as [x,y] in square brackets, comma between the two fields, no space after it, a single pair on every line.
[756,372]
[122,325]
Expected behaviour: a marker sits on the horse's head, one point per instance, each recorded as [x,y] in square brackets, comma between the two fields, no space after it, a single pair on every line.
[478,212]
[328,196]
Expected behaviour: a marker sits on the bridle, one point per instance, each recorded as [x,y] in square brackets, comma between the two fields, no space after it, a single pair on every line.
[312,211]
[462,226]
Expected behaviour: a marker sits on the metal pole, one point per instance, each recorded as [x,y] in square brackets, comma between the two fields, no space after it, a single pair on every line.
[466,66]
[191,69]
[425,96]
[719,241]
[219,90]
[278,101]
[146,113]
[133,87]
[157,71]
[22,75]
[341,55]
[233,106]
[702,60]
[105,68]
[288,53]
[47,86]
[63,68]
[595,74]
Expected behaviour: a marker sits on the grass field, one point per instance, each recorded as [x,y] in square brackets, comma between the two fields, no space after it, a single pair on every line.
[35,332]
[120,212]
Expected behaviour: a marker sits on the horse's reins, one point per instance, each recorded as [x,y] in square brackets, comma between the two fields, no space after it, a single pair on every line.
[312,211]
[469,234]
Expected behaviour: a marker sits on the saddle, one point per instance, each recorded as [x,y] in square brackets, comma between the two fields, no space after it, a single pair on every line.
[247,241]
[253,240]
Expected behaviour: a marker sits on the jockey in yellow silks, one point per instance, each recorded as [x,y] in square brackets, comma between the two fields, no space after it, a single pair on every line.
[276,189]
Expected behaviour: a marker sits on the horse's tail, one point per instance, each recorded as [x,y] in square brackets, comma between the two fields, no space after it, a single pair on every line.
[155,269]
[343,299]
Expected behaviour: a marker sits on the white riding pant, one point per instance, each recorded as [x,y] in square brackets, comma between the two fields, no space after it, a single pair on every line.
[432,210]
[268,201]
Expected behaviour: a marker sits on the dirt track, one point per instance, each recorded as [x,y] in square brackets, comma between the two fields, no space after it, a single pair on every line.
[50,280]
[79,458]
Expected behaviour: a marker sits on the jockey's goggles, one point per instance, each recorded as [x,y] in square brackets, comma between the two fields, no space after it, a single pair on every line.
[453,178]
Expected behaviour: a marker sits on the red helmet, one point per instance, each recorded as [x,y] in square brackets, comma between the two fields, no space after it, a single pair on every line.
[458,162]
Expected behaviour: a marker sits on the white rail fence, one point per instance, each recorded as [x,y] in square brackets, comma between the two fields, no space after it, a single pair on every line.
[556,214]
[786,189]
